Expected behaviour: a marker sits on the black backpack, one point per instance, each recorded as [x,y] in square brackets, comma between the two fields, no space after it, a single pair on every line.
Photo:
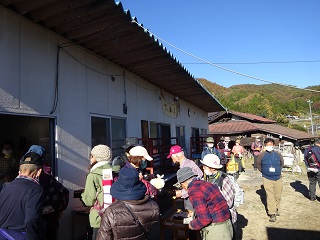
[311,158]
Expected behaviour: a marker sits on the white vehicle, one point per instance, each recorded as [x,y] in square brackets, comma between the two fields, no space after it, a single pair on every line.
[287,152]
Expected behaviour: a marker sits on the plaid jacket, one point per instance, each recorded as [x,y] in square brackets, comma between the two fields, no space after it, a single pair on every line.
[209,204]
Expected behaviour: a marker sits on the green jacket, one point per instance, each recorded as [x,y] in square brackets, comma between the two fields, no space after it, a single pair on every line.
[93,190]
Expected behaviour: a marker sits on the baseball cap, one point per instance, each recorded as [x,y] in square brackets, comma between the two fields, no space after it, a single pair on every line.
[141,152]
[174,149]
[32,158]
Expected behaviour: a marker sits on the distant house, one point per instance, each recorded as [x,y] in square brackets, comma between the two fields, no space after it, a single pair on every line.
[234,124]
[75,74]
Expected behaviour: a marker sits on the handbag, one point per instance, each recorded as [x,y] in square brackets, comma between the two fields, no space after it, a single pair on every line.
[136,220]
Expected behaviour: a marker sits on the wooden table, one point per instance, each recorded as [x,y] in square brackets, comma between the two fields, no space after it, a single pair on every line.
[180,230]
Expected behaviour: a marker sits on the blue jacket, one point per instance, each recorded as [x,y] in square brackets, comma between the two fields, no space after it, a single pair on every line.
[267,160]
[207,150]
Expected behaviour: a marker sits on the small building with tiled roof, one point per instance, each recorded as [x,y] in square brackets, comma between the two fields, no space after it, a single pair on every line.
[245,125]
[232,115]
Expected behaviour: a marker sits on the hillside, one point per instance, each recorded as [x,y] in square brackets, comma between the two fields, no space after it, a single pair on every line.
[268,100]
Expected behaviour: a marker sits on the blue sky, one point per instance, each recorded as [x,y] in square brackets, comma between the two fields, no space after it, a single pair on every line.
[238,31]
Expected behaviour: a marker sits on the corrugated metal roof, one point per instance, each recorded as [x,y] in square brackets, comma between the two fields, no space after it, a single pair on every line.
[241,127]
[285,132]
[105,28]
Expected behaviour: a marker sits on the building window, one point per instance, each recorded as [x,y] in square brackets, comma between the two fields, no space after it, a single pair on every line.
[203,131]
[195,132]
[160,131]
[108,131]
[180,134]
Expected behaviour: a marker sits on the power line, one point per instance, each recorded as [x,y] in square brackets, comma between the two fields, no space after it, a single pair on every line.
[249,63]
[217,66]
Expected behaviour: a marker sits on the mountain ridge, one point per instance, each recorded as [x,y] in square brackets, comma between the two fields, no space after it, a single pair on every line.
[272,101]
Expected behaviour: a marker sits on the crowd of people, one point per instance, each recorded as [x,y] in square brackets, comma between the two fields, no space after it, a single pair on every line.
[210,201]
[32,200]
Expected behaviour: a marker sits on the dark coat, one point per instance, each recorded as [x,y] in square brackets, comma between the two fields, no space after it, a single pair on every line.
[118,223]
[21,207]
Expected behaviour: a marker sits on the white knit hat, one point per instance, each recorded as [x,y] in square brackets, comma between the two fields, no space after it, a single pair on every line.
[102,153]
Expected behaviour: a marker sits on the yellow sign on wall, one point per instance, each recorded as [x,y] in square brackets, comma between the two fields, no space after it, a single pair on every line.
[171,110]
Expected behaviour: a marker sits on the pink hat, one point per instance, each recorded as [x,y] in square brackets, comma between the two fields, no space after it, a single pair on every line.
[174,149]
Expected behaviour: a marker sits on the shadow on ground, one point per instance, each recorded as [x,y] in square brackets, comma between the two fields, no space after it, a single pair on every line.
[301,188]
[242,222]
[291,234]
[263,197]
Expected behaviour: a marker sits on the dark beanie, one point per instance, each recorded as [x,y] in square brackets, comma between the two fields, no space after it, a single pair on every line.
[128,186]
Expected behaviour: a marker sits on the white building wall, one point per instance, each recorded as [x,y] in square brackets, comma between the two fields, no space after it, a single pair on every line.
[28,68]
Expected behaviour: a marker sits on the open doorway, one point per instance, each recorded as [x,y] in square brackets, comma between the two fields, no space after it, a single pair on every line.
[25,131]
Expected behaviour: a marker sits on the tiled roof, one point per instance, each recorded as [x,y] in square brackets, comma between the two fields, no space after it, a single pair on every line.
[252,117]
[217,116]
[232,127]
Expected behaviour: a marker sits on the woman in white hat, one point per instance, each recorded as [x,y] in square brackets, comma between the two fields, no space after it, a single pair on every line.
[137,159]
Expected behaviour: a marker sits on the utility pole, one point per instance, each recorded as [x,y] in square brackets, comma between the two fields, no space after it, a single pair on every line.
[310,102]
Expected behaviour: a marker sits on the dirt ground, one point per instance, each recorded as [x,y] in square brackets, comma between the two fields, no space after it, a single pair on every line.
[299,217]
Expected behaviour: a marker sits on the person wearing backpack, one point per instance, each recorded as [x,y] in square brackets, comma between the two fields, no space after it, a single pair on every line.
[312,161]
[212,171]
[212,215]
[270,164]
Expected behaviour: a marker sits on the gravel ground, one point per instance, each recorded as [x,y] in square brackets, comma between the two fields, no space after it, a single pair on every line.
[298,215]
